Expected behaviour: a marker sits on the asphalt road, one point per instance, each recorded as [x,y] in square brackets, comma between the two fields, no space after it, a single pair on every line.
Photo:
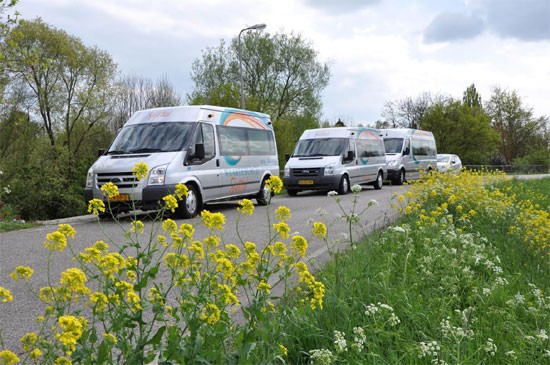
[25,247]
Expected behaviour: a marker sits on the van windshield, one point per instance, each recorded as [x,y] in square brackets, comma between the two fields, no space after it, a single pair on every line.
[151,137]
[393,145]
[320,147]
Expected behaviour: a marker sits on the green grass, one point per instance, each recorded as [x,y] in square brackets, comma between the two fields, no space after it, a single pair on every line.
[479,292]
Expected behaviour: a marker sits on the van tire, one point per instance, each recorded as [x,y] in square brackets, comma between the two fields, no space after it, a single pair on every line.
[292,192]
[264,195]
[191,205]
[343,188]
[400,179]
[379,181]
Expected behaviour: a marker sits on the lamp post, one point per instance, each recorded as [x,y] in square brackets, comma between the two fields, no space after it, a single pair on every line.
[253,27]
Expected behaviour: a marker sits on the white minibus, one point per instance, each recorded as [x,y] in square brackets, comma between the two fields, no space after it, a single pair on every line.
[409,151]
[334,159]
[218,153]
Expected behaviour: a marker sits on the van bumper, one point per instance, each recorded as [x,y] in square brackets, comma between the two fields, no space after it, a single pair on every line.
[331,182]
[393,173]
[151,198]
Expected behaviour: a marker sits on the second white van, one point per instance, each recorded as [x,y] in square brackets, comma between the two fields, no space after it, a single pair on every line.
[335,159]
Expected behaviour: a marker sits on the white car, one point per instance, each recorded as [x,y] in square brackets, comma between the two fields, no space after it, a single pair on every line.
[447,162]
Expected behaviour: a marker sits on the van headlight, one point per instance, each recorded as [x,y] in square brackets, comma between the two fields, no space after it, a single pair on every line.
[90,179]
[392,163]
[329,169]
[287,171]
[157,174]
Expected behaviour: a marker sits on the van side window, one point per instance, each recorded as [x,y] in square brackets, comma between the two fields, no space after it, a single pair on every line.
[239,141]
[205,136]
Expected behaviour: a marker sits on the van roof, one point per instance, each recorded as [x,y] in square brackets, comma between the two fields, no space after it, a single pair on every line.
[189,113]
[341,132]
[400,132]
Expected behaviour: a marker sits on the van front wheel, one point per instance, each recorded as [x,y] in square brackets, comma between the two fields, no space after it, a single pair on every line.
[400,178]
[344,185]
[191,205]
[264,195]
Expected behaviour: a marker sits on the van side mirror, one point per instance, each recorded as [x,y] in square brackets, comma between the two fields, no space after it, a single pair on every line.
[100,152]
[199,152]
[350,156]
[287,156]
[407,151]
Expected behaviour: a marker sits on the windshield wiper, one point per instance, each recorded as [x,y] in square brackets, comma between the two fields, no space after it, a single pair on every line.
[116,152]
[143,150]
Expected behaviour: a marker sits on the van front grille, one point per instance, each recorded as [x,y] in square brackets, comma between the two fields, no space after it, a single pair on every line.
[304,172]
[124,180]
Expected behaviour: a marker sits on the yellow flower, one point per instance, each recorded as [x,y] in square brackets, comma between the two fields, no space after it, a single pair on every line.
[67,230]
[232,251]
[71,330]
[22,272]
[210,313]
[137,226]
[274,184]
[99,301]
[35,354]
[213,220]
[8,358]
[110,338]
[109,190]
[282,213]
[187,230]
[246,207]
[29,340]
[181,191]
[74,280]
[5,295]
[283,229]
[96,206]
[283,349]
[62,360]
[170,202]
[169,225]
[140,170]
[299,244]
[55,241]
[319,229]
[264,287]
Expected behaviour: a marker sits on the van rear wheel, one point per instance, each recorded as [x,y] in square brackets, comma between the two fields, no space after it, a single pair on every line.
[264,195]
[191,205]
[379,181]
[343,189]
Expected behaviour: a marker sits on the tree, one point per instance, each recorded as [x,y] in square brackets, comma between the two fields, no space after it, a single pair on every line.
[471,97]
[408,112]
[136,93]
[69,82]
[515,123]
[461,129]
[5,25]
[282,76]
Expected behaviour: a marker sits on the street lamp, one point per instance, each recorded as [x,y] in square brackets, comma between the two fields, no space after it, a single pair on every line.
[253,27]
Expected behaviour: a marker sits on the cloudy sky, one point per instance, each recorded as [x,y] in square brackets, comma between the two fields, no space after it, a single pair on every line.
[379,50]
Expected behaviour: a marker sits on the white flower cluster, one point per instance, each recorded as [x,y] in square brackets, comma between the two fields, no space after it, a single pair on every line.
[429,349]
[359,338]
[356,188]
[490,347]
[458,333]
[372,309]
[340,342]
[321,357]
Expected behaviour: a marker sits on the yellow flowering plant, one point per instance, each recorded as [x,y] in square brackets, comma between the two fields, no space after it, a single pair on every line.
[159,294]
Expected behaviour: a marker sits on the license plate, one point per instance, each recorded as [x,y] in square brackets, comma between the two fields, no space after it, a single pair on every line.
[120,198]
[305,182]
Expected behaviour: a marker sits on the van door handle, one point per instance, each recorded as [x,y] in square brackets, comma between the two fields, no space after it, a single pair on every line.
[217,162]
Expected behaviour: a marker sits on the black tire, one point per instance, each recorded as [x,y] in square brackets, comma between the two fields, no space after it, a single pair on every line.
[400,179]
[343,188]
[379,181]
[292,192]
[191,205]
[264,195]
